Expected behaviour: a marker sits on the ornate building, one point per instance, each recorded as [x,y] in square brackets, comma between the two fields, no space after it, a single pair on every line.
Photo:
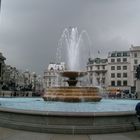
[97,70]
[51,77]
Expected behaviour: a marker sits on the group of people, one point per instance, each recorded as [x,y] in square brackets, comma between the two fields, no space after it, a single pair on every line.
[12,86]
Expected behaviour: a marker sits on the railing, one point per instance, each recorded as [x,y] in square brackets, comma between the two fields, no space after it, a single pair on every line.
[15,93]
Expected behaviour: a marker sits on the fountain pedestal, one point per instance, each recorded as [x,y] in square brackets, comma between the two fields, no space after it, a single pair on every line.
[72,93]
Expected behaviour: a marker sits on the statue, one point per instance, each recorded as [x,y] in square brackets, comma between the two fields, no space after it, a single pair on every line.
[138,72]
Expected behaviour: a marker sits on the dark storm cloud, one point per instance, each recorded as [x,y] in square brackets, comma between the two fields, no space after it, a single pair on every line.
[30,29]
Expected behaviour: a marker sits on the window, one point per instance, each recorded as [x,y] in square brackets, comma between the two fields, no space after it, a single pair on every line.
[135,67]
[98,73]
[103,67]
[124,59]
[112,60]
[118,54]
[104,60]
[118,59]
[91,80]
[98,67]
[118,75]
[112,83]
[97,60]
[135,54]
[124,67]
[125,54]
[112,67]
[118,67]
[103,80]
[125,83]
[135,61]
[113,55]
[119,83]
[91,68]
[98,80]
[112,75]
[135,75]
[51,68]
[124,75]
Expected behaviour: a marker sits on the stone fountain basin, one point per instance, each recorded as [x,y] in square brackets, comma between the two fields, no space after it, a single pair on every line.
[72,94]
[68,122]
[72,74]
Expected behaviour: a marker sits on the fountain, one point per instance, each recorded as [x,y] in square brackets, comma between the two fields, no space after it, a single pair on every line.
[72,93]
[63,112]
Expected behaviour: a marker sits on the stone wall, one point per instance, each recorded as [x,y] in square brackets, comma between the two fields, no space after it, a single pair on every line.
[68,122]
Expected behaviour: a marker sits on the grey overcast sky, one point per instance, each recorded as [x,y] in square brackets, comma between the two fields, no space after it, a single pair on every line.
[30,29]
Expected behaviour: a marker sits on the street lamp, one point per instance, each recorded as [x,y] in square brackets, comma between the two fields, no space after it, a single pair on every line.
[34,82]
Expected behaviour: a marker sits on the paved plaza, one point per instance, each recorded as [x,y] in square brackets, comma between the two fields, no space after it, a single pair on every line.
[10,134]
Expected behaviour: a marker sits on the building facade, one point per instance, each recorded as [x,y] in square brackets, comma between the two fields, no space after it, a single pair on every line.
[97,71]
[51,76]
[118,70]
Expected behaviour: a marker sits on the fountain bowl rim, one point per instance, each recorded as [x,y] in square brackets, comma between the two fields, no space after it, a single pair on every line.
[72,74]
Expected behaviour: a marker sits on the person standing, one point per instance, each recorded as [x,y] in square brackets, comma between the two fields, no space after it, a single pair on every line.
[137,109]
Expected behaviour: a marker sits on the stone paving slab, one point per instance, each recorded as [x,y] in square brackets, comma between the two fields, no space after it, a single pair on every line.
[10,134]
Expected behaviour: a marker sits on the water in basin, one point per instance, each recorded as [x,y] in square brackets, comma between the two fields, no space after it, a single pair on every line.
[106,105]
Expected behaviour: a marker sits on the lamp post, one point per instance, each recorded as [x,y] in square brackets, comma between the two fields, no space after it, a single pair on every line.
[39,83]
[34,82]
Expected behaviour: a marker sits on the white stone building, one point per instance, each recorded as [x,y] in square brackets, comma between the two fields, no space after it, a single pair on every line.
[97,70]
[51,77]
[118,70]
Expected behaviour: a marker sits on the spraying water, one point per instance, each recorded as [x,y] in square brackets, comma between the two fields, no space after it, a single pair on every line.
[73,40]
